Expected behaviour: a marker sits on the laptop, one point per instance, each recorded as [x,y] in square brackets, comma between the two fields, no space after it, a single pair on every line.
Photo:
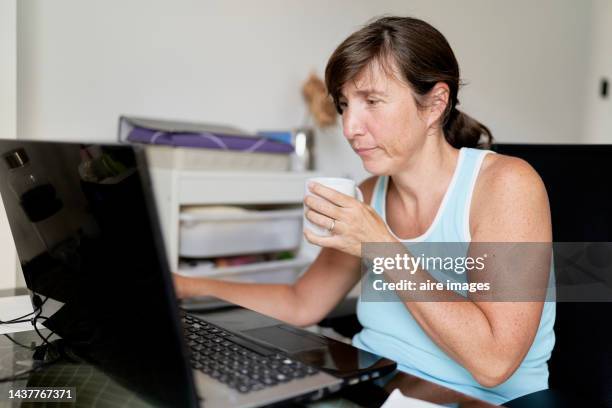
[90,246]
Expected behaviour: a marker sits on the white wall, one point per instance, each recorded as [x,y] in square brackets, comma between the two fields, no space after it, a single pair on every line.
[84,62]
[81,63]
[8,119]
[598,118]
[524,62]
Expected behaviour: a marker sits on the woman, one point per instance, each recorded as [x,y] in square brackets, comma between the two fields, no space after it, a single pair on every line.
[395,84]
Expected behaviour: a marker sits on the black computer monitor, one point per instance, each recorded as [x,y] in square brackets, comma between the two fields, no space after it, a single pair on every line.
[580,194]
[88,240]
[579,191]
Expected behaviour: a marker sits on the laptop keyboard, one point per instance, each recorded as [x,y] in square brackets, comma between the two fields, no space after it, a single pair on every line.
[236,362]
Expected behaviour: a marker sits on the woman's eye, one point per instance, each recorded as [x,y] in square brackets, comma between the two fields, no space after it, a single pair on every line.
[372,101]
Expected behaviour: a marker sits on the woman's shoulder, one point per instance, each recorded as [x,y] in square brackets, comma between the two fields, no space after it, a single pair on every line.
[500,172]
[507,187]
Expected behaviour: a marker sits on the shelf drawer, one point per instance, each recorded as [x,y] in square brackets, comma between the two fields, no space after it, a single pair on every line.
[281,271]
[197,188]
[215,233]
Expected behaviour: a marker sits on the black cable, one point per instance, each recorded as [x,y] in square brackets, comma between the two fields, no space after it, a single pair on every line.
[20,319]
[43,338]
[37,315]
[15,321]
[50,334]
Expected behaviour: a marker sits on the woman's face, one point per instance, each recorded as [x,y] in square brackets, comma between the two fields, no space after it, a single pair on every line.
[381,120]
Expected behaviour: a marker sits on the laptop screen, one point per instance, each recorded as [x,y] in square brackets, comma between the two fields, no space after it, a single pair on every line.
[81,218]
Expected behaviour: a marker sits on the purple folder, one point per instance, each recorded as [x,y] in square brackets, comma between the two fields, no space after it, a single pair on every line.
[137,130]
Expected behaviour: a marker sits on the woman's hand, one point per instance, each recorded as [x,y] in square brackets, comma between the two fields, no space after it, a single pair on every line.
[184,287]
[353,222]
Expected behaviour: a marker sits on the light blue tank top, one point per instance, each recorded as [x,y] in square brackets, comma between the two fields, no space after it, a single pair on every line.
[390,330]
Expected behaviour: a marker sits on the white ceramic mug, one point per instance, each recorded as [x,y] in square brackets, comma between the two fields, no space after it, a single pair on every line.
[343,185]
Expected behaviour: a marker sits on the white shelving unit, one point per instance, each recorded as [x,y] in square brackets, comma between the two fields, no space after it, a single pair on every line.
[175,188]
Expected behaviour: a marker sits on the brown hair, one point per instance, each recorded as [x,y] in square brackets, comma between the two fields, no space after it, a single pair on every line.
[423,57]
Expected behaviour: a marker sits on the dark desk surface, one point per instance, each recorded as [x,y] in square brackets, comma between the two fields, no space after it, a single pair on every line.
[93,387]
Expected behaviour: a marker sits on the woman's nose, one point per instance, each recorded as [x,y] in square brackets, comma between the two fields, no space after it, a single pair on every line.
[352,124]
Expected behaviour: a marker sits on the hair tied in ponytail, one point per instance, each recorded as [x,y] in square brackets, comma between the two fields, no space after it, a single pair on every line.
[423,57]
[461,130]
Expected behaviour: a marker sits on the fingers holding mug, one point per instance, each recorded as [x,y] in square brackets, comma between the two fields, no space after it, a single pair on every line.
[328,199]
[323,221]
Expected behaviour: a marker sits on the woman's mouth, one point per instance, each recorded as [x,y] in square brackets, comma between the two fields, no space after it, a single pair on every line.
[363,151]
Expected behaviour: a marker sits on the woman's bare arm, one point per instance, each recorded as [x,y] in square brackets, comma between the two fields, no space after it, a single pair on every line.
[490,339]
[326,282]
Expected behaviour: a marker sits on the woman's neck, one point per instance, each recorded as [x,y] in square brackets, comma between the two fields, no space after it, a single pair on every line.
[427,173]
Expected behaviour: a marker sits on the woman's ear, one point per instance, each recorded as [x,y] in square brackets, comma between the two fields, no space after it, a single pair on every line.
[438,100]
